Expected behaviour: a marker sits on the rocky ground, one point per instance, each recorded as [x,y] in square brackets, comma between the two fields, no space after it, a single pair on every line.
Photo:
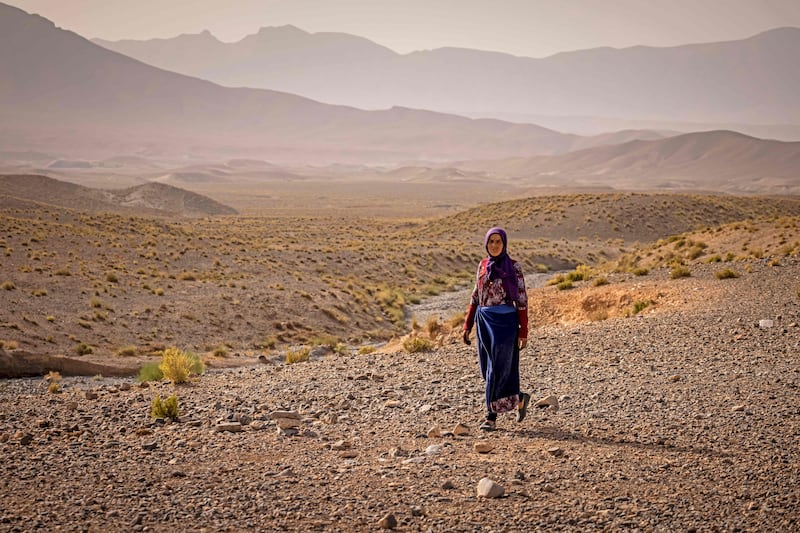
[680,418]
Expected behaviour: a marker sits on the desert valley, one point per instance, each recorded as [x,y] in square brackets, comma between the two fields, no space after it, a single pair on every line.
[314,261]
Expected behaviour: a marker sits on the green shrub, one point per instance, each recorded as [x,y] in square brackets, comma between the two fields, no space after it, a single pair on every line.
[726,273]
[150,372]
[598,282]
[165,408]
[640,305]
[417,344]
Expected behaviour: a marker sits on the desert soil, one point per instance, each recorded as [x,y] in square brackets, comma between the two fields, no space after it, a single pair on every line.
[685,417]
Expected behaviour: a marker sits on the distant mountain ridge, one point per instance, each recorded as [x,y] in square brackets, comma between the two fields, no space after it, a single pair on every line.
[61,89]
[715,160]
[149,198]
[753,80]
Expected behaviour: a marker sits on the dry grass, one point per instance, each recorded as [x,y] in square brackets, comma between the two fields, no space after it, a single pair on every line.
[293,278]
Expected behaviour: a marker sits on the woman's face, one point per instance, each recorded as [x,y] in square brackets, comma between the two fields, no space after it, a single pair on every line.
[495,245]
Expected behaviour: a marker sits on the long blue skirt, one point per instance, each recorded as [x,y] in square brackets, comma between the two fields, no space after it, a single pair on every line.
[498,353]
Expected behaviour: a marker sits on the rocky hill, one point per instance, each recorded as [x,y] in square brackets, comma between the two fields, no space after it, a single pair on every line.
[147,199]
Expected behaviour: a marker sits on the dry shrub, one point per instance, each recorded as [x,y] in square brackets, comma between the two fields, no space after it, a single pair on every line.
[177,365]
[726,273]
[165,408]
[417,344]
[298,355]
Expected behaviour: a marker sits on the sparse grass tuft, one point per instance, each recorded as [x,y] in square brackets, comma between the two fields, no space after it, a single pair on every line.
[640,305]
[83,349]
[165,408]
[297,355]
[8,286]
[220,351]
[368,349]
[726,273]
[417,344]
[680,271]
[433,326]
[598,282]
[640,271]
[127,351]
[564,285]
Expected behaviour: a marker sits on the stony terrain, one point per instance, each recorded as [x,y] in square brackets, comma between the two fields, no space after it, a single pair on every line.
[684,417]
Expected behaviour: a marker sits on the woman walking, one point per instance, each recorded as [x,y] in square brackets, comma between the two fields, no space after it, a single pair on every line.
[499,307]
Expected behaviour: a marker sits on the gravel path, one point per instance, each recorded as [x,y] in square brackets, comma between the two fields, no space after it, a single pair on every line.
[677,420]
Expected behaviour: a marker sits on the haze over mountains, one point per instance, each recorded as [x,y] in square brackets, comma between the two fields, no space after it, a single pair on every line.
[751,81]
[98,101]
[66,96]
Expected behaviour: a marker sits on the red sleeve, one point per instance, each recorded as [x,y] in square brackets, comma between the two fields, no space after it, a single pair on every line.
[522,314]
[469,320]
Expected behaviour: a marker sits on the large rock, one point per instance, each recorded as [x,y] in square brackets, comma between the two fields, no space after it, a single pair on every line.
[21,364]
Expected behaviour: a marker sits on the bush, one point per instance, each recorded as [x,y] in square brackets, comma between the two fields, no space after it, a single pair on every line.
[8,286]
[640,271]
[417,344]
[83,349]
[598,282]
[433,326]
[177,365]
[220,351]
[368,349]
[297,355]
[150,372]
[680,272]
[640,305]
[726,273]
[127,351]
[165,408]
[564,285]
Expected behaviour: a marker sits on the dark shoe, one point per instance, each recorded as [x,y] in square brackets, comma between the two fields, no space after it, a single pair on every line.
[488,425]
[523,407]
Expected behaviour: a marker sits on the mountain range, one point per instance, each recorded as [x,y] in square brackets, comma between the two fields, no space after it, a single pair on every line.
[65,96]
[751,81]
[60,89]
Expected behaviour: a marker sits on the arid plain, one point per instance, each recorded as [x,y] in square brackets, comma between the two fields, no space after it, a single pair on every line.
[677,409]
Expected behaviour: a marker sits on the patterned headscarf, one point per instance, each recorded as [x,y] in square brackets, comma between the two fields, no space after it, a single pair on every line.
[501,266]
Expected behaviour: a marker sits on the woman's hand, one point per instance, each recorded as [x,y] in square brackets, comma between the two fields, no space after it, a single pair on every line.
[522,343]
[466,338]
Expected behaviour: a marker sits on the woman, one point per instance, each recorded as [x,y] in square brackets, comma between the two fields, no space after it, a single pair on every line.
[499,306]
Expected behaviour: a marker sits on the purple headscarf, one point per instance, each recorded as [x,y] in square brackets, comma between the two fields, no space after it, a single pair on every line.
[501,266]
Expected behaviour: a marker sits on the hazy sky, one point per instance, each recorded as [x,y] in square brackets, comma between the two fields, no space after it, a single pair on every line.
[534,28]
